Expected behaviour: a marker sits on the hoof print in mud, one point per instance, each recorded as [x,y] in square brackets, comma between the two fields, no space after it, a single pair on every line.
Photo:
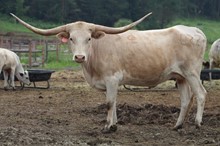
[112,129]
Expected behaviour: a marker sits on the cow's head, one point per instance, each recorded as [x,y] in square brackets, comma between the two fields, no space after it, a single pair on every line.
[80,35]
[24,77]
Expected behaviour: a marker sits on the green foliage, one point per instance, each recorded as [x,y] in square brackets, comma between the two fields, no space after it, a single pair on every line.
[21,10]
[109,11]
[122,22]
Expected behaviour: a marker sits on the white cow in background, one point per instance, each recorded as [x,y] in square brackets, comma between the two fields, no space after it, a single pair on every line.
[11,66]
[111,57]
[214,56]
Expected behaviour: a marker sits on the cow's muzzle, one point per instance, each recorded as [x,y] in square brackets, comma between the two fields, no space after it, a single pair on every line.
[79,58]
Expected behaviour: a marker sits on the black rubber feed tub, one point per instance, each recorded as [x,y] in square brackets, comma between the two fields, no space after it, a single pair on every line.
[39,75]
[36,75]
[205,74]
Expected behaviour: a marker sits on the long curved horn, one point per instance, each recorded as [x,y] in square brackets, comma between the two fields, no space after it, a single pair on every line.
[111,30]
[46,32]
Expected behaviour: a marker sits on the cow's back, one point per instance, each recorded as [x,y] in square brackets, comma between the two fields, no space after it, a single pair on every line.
[8,58]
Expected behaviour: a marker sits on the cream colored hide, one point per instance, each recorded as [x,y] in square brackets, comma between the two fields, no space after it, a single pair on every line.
[11,66]
[144,58]
[214,56]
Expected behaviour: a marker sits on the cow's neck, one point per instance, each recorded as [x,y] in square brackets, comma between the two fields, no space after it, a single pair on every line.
[91,68]
[19,68]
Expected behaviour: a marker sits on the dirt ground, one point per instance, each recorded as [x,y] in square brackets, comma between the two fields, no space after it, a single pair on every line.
[72,113]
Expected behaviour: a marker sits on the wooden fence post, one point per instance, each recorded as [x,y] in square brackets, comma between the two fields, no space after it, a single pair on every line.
[42,43]
[57,50]
[11,43]
[1,42]
[30,53]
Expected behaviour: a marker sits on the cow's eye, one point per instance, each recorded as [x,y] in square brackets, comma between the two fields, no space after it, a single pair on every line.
[88,40]
[72,40]
[21,74]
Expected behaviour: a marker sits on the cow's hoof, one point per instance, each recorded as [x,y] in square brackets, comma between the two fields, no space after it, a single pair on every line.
[198,126]
[178,127]
[112,129]
[5,88]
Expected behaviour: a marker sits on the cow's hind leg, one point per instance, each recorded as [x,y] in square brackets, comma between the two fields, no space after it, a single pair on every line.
[210,68]
[186,101]
[112,88]
[200,94]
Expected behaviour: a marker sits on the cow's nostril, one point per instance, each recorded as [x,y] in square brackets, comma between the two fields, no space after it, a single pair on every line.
[79,58]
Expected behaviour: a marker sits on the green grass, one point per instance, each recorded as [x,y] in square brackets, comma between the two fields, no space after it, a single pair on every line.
[64,61]
[11,27]
[52,61]
[9,24]
[211,29]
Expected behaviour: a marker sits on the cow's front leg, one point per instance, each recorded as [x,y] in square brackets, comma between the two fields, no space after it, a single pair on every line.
[12,78]
[6,86]
[111,94]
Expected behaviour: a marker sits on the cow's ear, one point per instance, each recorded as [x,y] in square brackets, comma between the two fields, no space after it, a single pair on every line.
[63,36]
[98,34]
[205,64]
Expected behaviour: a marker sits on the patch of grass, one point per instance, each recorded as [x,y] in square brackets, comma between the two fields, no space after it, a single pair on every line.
[11,27]
[63,61]
[53,61]
[9,24]
[57,65]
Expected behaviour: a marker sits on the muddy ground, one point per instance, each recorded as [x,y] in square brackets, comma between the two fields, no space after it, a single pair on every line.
[72,113]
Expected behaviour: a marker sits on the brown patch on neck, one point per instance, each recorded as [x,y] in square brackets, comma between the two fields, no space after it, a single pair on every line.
[131,37]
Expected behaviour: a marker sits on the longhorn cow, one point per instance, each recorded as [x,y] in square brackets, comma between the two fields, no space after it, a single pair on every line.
[116,56]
